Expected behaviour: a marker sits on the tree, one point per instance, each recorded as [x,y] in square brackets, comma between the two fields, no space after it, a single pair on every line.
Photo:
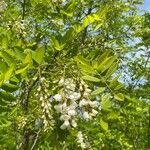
[60,80]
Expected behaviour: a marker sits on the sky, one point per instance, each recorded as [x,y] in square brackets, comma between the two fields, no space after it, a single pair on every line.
[146,5]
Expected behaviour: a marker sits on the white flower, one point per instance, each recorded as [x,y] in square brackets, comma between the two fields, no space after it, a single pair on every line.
[64,105]
[64,117]
[73,123]
[41,98]
[73,104]
[71,87]
[39,88]
[100,108]
[43,104]
[65,125]
[71,97]
[80,136]
[93,103]
[82,82]
[58,108]
[46,90]
[81,88]
[42,79]
[68,81]
[83,102]
[86,115]
[87,90]
[71,112]
[94,112]
[48,104]
[61,82]
[81,141]
[57,97]
[76,95]
[45,96]
[83,145]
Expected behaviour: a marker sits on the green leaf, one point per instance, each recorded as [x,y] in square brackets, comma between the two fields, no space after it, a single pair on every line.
[113,115]
[104,125]
[22,69]
[5,42]
[7,96]
[8,58]
[82,60]
[9,72]
[105,102]
[9,87]
[111,70]
[84,64]
[57,44]
[114,83]
[98,91]
[77,28]
[86,69]
[1,79]
[69,8]
[28,58]
[119,97]
[68,36]
[88,20]
[106,64]
[19,55]
[101,59]
[90,78]
[3,67]
[38,55]
[67,13]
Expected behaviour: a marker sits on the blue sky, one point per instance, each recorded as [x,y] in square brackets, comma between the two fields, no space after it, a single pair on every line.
[146,5]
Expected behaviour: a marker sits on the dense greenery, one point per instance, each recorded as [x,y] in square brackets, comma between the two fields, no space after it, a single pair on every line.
[74,74]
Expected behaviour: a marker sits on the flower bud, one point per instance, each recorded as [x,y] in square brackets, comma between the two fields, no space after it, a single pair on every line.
[65,125]
[64,117]
[71,112]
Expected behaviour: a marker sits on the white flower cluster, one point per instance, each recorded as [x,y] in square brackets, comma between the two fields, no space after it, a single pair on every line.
[72,101]
[67,103]
[3,6]
[81,140]
[18,26]
[43,95]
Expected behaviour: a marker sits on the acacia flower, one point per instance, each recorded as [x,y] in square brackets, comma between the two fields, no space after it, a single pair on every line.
[57,97]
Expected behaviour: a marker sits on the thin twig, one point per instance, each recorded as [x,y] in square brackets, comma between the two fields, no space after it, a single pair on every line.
[35,141]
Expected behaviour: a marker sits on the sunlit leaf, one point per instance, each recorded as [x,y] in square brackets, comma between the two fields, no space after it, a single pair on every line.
[38,55]
[104,125]
[98,91]
[90,78]
[119,97]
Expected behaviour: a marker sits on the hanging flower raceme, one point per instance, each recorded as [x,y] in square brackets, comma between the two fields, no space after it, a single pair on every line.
[43,96]
[73,102]
[82,140]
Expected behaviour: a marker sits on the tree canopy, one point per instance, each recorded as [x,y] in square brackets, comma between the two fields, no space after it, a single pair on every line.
[74,74]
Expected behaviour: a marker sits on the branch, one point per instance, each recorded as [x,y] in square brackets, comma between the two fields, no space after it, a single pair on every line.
[23,9]
[27,95]
[35,141]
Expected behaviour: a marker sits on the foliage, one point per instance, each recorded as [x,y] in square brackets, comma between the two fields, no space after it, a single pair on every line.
[74,75]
